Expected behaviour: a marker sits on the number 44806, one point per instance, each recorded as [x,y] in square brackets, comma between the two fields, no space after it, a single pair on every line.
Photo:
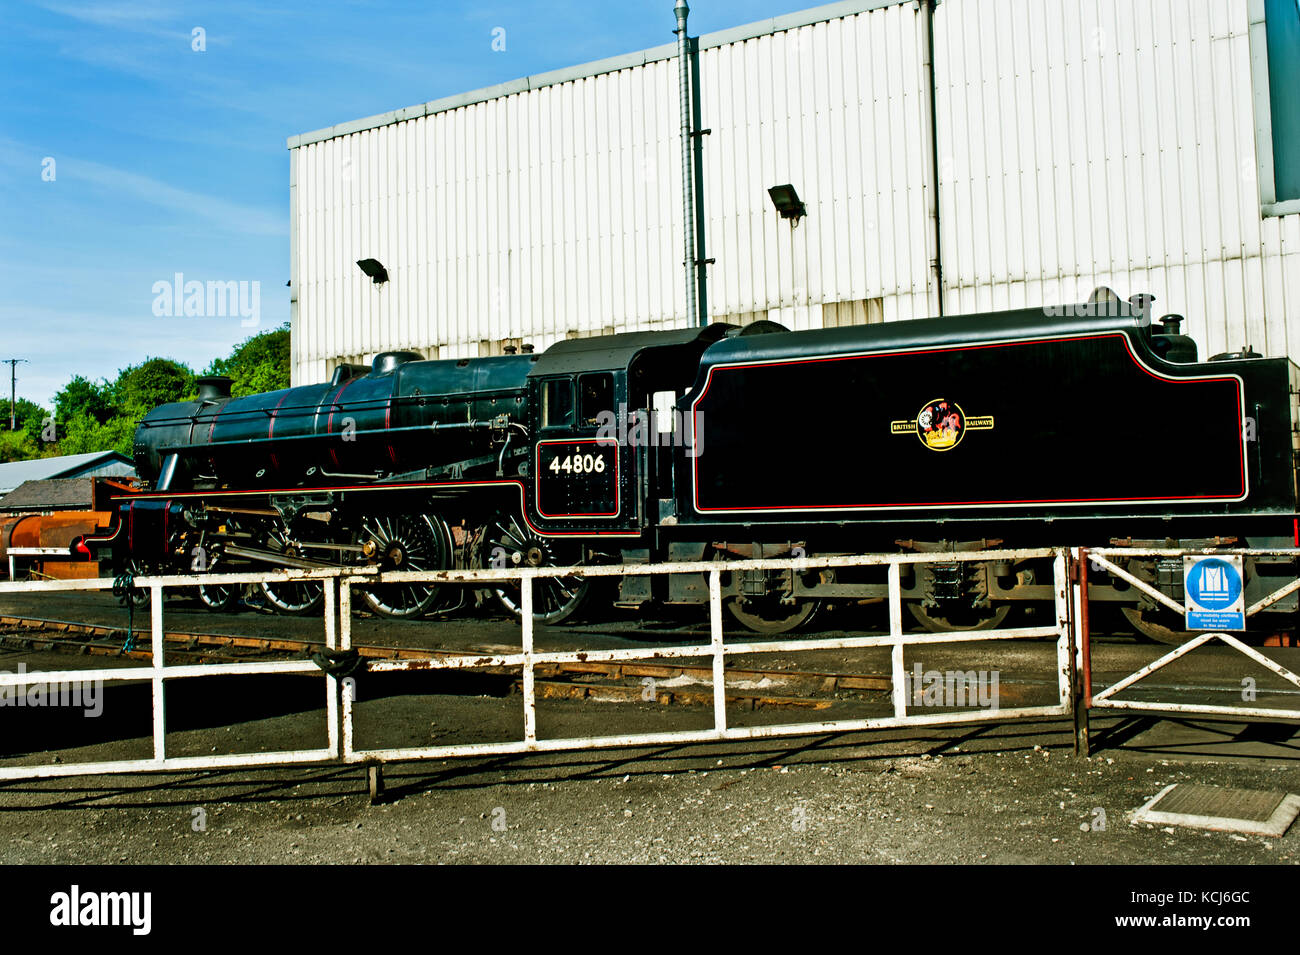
[577,464]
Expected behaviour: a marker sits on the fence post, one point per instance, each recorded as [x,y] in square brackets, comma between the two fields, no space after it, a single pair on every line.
[332,682]
[156,637]
[1080,659]
[345,643]
[526,618]
[897,666]
[719,653]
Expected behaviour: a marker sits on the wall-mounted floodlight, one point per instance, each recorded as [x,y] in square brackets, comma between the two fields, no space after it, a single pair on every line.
[787,202]
[374,269]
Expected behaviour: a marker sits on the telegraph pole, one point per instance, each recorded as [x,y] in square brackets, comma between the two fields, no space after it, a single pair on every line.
[13,364]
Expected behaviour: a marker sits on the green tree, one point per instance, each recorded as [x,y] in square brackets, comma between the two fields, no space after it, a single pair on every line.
[31,418]
[259,364]
[157,381]
[102,416]
[82,398]
[84,434]
[17,445]
[26,441]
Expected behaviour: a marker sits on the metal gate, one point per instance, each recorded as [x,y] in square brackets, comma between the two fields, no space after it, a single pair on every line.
[159,673]
[719,649]
[1107,699]
[339,693]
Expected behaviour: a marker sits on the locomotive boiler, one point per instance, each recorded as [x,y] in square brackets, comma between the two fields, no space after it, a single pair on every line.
[1087,425]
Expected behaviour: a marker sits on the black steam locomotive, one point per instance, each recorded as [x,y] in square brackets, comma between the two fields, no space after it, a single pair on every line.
[1085,425]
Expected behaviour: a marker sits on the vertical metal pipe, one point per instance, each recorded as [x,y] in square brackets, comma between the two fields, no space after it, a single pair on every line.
[934,149]
[688,167]
[698,132]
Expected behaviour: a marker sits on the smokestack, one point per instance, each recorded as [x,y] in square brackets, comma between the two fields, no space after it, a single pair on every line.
[214,387]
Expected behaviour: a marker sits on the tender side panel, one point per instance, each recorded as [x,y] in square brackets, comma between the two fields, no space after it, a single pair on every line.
[1059,421]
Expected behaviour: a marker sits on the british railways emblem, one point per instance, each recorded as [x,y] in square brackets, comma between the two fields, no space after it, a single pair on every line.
[941,424]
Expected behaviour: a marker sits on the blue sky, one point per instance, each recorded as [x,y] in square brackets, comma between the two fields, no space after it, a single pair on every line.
[167,159]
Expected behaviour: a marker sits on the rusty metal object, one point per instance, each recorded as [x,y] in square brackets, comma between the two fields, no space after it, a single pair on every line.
[52,530]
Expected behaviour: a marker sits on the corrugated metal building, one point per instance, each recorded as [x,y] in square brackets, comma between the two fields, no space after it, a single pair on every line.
[90,464]
[1149,145]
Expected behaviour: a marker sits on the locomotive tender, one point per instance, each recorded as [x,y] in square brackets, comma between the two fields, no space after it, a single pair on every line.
[1011,429]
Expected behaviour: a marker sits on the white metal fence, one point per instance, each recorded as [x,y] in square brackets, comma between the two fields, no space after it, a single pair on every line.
[158,673]
[718,649]
[339,693]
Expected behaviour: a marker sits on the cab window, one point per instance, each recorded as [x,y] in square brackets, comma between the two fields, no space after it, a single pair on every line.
[557,403]
[595,395]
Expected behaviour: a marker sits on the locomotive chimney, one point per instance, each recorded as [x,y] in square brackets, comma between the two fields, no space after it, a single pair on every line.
[1143,301]
[214,388]
[1171,324]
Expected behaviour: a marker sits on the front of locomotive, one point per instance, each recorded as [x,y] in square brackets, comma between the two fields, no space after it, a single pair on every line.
[146,530]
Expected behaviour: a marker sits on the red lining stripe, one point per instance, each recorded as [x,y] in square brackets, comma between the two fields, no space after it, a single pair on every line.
[329,422]
[385,487]
[270,430]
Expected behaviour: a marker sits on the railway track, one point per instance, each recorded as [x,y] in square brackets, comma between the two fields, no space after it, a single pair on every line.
[674,683]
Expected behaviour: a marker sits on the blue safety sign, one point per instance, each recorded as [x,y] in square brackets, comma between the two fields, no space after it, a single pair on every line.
[1213,593]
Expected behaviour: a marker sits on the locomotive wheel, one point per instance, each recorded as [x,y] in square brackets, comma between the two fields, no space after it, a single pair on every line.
[984,619]
[137,596]
[219,597]
[767,614]
[294,598]
[406,542]
[1154,625]
[770,615]
[555,599]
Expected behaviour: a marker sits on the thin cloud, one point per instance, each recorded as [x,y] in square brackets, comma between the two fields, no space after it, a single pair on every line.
[187,204]
[229,216]
[135,17]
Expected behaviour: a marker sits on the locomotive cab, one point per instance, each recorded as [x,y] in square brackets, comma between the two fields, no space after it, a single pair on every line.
[600,449]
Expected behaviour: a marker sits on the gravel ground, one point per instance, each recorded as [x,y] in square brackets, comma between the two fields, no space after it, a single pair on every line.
[1004,795]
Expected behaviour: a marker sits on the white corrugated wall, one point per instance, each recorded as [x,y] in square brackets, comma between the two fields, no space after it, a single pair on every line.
[1081,142]
[1110,142]
[558,209]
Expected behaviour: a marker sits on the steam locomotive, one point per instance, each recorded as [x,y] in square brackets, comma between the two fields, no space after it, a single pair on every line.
[1087,425]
